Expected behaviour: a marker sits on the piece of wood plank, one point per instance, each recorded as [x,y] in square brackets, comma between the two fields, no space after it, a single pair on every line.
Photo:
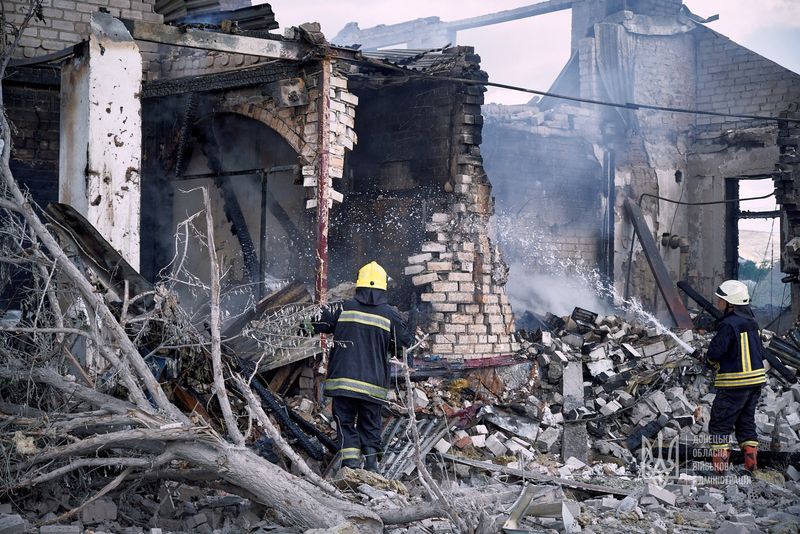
[281,376]
[489,466]
[220,42]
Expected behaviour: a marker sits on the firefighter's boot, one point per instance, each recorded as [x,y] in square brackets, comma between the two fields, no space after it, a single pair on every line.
[719,460]
[371,459]
[750,458]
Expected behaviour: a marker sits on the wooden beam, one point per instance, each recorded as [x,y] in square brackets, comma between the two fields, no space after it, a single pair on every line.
[221,42]
[489,466]
[532,10]
[660,272]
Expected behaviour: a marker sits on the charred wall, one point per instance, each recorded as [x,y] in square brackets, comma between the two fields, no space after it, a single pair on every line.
[395,178]
[730,79]
[549,197]
[66,22]
[31,99]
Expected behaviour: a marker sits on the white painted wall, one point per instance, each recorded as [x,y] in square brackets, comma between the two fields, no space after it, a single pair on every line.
[101,135]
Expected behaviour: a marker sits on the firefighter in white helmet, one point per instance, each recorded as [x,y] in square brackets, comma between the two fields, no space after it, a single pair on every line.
[737,355]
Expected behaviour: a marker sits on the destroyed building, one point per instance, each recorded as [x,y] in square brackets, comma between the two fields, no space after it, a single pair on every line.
[396,156]
[321,157]
[562,169]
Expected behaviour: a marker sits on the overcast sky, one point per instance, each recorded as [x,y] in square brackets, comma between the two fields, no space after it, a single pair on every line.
[531,52]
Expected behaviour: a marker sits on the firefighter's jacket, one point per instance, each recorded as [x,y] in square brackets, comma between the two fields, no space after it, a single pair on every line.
[736,352]
[365,330]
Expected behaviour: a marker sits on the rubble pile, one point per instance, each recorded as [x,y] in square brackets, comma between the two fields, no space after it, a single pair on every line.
[636,383]
[153,509]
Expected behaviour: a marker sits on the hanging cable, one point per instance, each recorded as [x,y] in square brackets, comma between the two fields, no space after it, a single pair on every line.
[628,105]
[682,203]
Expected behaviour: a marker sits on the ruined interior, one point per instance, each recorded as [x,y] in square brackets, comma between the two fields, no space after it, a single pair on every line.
[185,192]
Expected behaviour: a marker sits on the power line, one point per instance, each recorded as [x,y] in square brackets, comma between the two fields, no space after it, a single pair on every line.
[628,105]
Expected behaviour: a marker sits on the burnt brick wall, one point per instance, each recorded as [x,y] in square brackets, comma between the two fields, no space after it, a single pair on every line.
[66,22]
[394,179]
[34,113]
[547,187]
[733,79]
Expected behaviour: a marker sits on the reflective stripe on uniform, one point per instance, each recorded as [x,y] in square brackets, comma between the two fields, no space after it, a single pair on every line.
[369,319]
[744,341]
[350,453]
[716,446]
[356,386]
[736,375]
[732,382]
[748,443]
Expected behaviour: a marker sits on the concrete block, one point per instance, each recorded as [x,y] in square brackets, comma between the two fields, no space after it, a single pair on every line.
[479,441]
[12,524]
[481,429]
[413,269]
[610,408]
[658,400]
[495,445]
[653,349]
[442,446]
[574,463]
[609,503]
[600,366]
[196,520]
[422,279]
[793,419]
[573,340]
[420,258]
[99,511]
[623,397]
[729,527]
[547,439]
[667,497]
[793,473]
[60,529]
[306,406]
[420,399]
[547,339]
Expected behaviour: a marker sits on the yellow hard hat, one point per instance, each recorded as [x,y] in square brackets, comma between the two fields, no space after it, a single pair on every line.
[372,275]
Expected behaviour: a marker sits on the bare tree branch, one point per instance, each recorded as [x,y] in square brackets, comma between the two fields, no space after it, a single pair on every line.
[216,327]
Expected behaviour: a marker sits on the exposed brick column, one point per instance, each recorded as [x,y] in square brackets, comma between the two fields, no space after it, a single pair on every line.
[459,271]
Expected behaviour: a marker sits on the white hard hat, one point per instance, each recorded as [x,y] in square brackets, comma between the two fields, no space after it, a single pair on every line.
[733,292]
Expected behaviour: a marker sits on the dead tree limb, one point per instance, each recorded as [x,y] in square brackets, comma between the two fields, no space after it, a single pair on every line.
[425,477]
[261,416]
[216,328]
[107,488]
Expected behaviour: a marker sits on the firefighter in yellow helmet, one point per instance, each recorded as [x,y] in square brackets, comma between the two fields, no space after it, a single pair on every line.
[364,330]
[737,355]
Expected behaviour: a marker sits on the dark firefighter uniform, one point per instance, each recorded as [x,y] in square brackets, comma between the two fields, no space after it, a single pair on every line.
[737,355]
[365,330]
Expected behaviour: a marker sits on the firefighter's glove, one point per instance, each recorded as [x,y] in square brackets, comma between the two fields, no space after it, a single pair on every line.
[306,328]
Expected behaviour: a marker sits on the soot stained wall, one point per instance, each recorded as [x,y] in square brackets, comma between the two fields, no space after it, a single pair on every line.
[394,179]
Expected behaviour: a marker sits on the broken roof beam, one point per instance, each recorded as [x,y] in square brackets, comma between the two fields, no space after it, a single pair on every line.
[533,10]
[220,42]
[665,284]
[432,32]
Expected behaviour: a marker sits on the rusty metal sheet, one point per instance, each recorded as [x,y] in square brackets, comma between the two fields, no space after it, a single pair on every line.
[665,284]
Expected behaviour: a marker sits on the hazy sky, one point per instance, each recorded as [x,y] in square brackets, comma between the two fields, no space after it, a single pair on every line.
[531,52]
